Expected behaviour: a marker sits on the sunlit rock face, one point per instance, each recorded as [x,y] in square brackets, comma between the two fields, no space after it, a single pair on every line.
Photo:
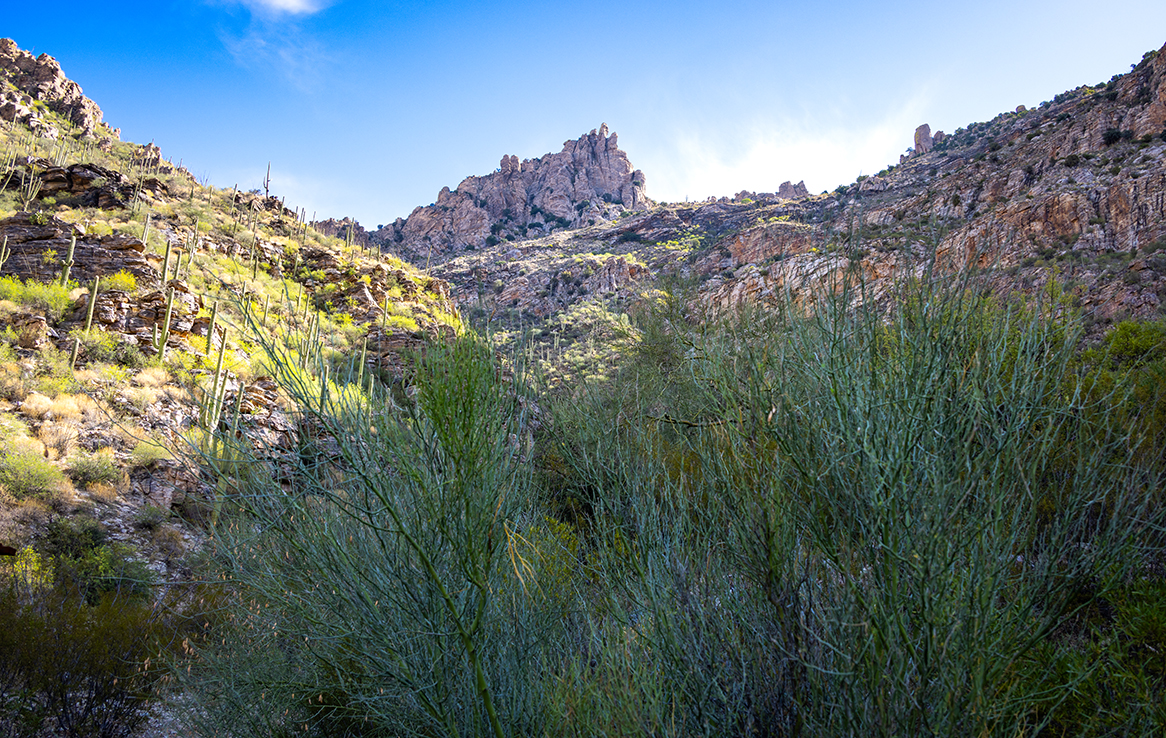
[590,181]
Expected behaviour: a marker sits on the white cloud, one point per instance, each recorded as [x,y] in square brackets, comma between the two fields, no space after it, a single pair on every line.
[294,7]
[286,49]
[824,155]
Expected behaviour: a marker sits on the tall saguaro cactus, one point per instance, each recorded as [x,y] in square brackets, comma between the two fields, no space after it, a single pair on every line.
[5,252]
[159,339]
[166,263]
[210,333]
[92,304]
[67,264]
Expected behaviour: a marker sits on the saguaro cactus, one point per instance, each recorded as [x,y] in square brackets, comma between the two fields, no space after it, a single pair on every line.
[159,339]
[210,333]
[67,264]
[5,252]
[166,262]
[92,304]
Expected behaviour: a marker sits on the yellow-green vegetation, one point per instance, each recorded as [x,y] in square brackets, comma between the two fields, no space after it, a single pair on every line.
[52,300]
[122,281]
[838,522]
[587,343]
[27,475]
[83,388]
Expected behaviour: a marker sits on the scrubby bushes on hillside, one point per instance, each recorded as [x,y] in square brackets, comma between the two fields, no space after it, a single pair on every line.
[52,300]
[854,523]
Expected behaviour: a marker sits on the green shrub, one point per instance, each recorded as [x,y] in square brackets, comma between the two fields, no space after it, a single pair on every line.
[453,494]
[78,670]
[123,281]
[51,299]
[145,453]
[30,476]
[88,565]
[841,520]
[87,470]
[72,538]
[102,346]
[151,517]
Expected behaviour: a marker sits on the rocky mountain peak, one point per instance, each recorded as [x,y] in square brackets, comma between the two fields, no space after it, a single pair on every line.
[590,181]
[26,80]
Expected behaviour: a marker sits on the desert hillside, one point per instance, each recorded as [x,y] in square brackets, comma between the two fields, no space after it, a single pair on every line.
[550,457]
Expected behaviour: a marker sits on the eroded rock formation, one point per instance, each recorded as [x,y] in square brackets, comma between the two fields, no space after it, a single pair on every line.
[588,182]
[32,79]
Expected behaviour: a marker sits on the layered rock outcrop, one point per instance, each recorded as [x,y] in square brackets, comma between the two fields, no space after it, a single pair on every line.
[31,80]
[346,229]
[40,243]
[1073,191]
[589,181]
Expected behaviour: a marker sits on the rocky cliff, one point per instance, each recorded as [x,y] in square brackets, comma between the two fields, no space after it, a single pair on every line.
[30,84]
[1072,191]
[588,182]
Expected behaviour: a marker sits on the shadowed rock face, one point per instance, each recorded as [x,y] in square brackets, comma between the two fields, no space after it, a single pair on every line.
[589,181]
[38,246]
[40,78]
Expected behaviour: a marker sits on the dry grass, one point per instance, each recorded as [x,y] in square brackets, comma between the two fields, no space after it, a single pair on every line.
[129,436]
[25,444]
[178,394]
[100,375]
[169,541]
[20,519]
[64,407]
[154,376]
[141,397]
[59,438]
[36,406]
[12,386]
[105,494]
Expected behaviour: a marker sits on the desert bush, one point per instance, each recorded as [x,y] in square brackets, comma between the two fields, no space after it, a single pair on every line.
[797,482]
[59,438]
[101,467]
[102,346]
[458,649]
[50,299]
[75,668]
[150,517]
[146,452]
[154,376]
[122,281]
[36,406]
[836,521]
[88,564]
[30,476]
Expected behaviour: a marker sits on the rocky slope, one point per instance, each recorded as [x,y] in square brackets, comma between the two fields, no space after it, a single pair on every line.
[29,85]
[1074,190]
[185,273]
[589,181]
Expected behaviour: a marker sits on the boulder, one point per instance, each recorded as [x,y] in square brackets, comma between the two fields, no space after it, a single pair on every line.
[923,140]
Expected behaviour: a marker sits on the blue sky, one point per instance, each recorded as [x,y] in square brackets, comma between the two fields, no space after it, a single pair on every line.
[368,108]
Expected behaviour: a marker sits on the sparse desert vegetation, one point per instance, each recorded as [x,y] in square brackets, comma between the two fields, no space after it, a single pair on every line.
[777,464]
